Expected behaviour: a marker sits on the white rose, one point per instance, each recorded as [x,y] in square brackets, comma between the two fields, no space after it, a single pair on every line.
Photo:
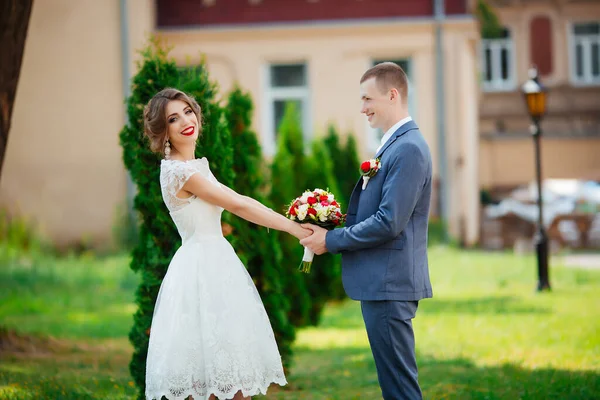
[302,211]
[373,164]
[321,212]
[330,198]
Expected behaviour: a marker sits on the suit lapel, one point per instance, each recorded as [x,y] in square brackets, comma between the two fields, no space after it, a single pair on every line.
[353,205]
[409,126]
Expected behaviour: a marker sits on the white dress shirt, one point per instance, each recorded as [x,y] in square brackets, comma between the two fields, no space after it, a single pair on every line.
[391,131]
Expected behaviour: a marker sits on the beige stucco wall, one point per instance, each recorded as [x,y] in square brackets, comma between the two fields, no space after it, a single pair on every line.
[509,162]
[334,65]
[337,55]
[63,163]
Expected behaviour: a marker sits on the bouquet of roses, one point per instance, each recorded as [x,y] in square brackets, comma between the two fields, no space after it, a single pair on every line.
[316,207]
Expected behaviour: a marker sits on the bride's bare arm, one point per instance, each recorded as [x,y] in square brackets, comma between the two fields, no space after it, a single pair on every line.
[249,199]
[242,206]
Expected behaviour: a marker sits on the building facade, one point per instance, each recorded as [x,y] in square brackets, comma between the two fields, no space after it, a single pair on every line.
[63,164]
[561,38]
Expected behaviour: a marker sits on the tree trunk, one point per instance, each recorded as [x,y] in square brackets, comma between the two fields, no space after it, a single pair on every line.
[14,20]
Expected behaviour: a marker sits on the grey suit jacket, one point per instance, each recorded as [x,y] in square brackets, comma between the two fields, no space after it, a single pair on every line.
[384,242]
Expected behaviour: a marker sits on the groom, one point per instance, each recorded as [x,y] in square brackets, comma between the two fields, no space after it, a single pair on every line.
[384,243]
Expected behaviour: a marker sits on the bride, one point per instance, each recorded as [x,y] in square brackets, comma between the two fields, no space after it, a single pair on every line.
[210,334]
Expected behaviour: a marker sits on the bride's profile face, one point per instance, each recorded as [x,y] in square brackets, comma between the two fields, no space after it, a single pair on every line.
[182,123]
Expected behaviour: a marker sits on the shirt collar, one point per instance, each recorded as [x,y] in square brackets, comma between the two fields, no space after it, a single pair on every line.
[394,128]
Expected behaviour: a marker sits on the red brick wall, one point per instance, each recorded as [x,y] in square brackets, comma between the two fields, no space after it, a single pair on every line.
[456,7]
[193,12]
[540,44]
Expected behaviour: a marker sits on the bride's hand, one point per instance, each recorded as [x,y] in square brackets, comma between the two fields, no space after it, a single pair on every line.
[301,231]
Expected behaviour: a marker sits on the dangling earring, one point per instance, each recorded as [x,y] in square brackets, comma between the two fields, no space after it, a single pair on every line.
[167,150]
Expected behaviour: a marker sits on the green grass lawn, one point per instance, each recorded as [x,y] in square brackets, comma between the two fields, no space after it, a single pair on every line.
[486,335]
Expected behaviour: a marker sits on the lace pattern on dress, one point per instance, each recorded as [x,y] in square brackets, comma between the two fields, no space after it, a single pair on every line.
[174,174]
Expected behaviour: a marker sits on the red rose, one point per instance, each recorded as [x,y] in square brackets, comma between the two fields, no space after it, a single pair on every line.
[311,211]
[292,211]
[312,200]
[324,203]
[323,197]
[335,203]
[338,214]
[365,166]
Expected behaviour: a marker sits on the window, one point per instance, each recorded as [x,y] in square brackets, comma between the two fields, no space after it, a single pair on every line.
[497,61]
[285,83]
[585,53]
[375,135]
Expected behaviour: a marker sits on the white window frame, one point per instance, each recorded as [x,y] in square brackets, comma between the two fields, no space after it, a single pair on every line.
[497,84]
[374,135]
[272,94]
[586,40]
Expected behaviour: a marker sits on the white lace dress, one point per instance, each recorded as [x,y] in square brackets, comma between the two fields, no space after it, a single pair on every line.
[210,333]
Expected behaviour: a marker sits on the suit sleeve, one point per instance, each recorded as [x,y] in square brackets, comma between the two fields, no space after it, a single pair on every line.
[401,190]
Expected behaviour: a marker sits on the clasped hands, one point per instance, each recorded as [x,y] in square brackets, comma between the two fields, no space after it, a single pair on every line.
[315,241]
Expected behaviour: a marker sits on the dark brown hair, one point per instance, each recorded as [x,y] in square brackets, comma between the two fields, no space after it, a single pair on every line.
[155,120]
[388,75]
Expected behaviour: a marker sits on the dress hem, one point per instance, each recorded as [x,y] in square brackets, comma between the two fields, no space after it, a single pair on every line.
[221,395]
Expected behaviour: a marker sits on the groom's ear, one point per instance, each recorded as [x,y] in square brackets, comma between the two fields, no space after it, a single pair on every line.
[394,94]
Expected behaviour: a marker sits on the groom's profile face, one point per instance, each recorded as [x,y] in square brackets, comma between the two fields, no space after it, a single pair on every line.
[375,103]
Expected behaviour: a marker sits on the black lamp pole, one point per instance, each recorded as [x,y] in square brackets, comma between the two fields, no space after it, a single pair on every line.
[535,98]
[541,237]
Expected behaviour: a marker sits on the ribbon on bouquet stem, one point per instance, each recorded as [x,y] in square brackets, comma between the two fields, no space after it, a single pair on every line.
[307,260]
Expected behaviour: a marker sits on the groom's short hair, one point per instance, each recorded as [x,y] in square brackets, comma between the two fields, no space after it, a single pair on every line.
[388,75]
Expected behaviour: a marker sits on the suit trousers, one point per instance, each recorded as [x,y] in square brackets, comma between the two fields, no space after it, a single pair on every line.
[392,340]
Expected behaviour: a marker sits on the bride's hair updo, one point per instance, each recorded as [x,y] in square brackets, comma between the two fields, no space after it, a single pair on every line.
[155,120]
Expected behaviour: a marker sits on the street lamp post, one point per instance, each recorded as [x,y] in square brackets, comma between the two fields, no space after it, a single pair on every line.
[535,98]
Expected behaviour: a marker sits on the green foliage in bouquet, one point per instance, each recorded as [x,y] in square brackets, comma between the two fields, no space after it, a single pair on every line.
[258,249]
[158,237]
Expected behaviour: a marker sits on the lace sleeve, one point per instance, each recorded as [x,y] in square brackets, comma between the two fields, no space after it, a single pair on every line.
[173,176]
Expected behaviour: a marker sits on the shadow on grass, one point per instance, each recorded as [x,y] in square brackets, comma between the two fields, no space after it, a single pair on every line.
[343,373]
[349,373]
[348,315]
[462,379]
[480,305]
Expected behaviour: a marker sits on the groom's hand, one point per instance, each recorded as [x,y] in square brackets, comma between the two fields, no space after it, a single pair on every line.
[316,241]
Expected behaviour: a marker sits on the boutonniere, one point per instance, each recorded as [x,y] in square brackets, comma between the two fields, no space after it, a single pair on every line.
[368,169]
